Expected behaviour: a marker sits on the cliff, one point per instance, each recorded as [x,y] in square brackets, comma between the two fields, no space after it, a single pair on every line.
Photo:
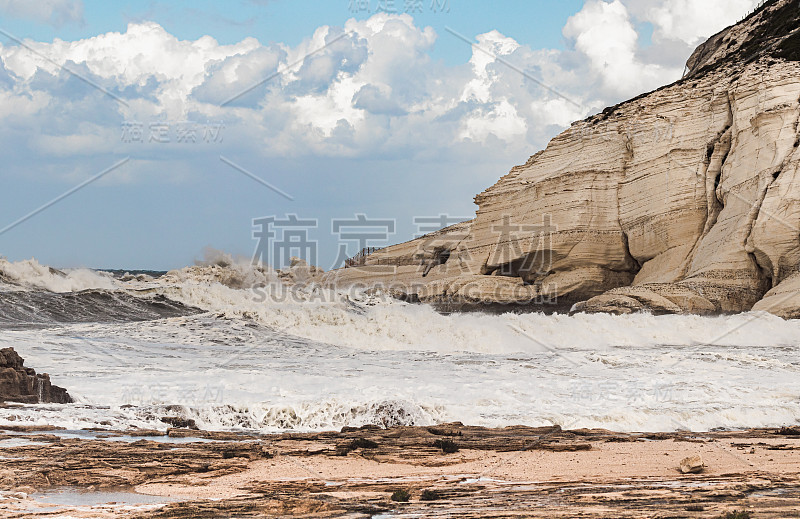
[686,199]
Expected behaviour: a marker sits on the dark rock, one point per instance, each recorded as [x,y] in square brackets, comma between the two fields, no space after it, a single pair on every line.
[430,495]
[21,384]
[179,423]
[789,431]
[447,446]
[358,443]
[401,496]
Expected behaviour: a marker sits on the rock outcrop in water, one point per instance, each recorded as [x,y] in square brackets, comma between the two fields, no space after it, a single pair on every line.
[21,384]
[683,200]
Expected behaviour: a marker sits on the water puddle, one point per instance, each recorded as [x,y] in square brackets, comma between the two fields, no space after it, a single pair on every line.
[100,435]
[771,492]
[18,442]
[70,496]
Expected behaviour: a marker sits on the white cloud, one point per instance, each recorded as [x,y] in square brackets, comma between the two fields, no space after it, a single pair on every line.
[375,93]
[54,12]
[495,44]
[690,21]
[604,32]
[143,53]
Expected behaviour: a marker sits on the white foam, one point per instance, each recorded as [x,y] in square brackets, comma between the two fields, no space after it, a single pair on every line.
[226,374]
[356,320]
[30,274]
[314,360]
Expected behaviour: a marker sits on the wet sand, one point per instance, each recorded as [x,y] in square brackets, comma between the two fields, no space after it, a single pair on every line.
[508,472]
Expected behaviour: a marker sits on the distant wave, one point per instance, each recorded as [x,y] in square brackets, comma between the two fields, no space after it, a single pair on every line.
[31,275]
[101,306]
[31,293]
[355,319]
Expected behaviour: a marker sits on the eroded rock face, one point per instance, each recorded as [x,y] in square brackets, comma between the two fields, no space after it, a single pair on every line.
[21,384]
[682,200]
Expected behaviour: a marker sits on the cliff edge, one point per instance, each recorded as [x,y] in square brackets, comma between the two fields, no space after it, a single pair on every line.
[683,200]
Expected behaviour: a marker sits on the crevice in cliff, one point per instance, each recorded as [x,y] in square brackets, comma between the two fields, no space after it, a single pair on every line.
[440,257]
[636,265]
[715,202]
[752,216]
[771,272]
[717,151]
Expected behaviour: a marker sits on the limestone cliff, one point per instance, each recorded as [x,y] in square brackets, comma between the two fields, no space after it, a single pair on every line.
[686,199]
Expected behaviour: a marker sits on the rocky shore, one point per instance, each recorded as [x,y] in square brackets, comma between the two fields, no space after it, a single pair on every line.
[443,471]
[21,384]
[682,200]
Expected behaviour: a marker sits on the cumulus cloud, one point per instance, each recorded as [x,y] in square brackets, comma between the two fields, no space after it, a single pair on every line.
[373,93]
[144,51]
[604,32]
[690,21]
[239,80]
[53,12]
[377,100]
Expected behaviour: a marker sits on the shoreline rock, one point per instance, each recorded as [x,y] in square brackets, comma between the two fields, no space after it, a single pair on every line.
[21,384]
[692,465]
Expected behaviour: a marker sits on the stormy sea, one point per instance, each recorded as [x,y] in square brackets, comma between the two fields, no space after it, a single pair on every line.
[227,346]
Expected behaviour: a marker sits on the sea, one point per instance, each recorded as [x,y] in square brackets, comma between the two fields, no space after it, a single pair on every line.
[230,347]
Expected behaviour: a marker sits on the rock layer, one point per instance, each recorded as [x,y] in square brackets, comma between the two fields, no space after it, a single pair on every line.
[515,471]
[21,384]
[681,200]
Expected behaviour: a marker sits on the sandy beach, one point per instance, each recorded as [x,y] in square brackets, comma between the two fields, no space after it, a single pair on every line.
[508,472]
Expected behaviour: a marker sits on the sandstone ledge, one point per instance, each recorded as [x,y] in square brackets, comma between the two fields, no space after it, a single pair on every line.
[508,472]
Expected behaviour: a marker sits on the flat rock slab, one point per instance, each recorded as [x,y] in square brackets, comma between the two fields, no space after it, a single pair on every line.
[505,472]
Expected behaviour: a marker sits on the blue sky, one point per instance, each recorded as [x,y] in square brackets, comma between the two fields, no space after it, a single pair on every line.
[289,21]
[399,118]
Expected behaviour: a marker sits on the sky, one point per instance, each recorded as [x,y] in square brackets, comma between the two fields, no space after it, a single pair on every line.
[140,134]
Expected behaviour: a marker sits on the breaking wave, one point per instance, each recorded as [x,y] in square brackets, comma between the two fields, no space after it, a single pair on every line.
[304,417]
[31,275]
[277,358]
[101,306]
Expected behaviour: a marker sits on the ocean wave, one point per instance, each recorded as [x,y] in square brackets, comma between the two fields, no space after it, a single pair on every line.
[330,414]
[264,356]
[31,275]
[101,306]
[359,320]
[235,289]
